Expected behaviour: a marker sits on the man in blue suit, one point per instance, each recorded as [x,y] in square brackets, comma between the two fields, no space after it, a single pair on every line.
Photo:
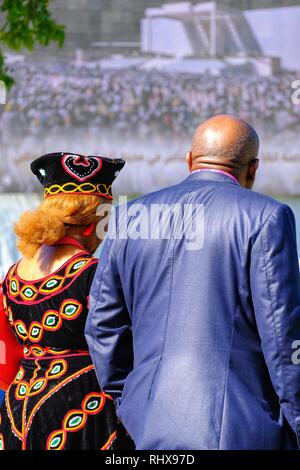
[197,338]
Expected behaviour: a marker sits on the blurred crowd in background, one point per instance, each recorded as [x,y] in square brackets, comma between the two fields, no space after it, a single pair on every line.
[144,116]
[56,96]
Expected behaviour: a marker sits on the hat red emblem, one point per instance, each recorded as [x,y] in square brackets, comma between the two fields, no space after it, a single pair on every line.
[81,168]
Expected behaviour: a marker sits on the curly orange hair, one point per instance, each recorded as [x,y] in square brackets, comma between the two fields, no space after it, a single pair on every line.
[49,222]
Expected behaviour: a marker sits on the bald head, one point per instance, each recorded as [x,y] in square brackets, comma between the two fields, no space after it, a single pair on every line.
[225,141]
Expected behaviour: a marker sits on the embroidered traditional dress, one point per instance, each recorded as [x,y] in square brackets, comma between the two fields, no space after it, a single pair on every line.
[55,402]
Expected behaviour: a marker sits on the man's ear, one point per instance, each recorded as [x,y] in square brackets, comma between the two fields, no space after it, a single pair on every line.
[189,160]
[252,169]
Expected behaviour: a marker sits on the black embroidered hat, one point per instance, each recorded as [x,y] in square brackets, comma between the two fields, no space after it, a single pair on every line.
[69,173]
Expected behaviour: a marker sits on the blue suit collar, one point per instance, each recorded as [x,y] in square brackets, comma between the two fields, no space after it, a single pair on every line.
[207,175]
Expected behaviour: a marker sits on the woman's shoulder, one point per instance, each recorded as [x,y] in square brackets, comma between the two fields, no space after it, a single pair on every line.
[9,274]
[6,281]
[79,263]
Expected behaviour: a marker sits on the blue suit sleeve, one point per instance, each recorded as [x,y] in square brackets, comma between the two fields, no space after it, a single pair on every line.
[275,286]
[108,327]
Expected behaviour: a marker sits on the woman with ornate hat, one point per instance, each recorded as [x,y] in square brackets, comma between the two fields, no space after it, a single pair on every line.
[54,401]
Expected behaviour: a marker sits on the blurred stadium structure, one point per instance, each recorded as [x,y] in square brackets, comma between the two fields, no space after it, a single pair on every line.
[137,76]
[115,24]
[207,29]
[100,28]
